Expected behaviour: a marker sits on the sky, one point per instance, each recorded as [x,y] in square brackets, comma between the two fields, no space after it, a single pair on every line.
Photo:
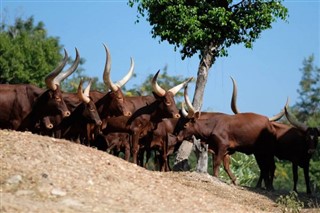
[266,74]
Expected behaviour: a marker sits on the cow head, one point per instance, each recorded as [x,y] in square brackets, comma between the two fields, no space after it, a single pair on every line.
[90,111]
[167,102]
[188,125]
[117,99]
[311,134]
[55,102]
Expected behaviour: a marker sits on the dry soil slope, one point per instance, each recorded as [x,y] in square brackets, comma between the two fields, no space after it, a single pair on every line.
[42,174]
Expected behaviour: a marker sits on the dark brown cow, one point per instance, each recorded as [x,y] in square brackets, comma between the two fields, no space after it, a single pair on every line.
[150,110]
[114,143]
[112,103]
[74,127]
[108,104]
[23,105]
[296,144]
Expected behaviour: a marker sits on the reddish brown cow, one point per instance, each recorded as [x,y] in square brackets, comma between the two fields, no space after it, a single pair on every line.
[249,133]
[73,127]
[163,138]
[150,111]
[23,105]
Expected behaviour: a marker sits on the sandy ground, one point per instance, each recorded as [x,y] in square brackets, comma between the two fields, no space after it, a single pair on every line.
[43,174]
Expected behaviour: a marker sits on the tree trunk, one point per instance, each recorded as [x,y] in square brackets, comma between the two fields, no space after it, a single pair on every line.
[208,58]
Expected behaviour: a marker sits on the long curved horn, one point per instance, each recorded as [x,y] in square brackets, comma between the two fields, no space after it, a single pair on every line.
[294,122]
[68,72]
[81,95]
[87,89]
[234,97]
[175,89]
[126,78]
[49,79]
[155,86]
[106,72]
[191,111]
[183,110]
[280,114]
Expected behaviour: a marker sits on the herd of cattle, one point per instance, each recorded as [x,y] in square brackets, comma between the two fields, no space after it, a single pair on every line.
[137,125]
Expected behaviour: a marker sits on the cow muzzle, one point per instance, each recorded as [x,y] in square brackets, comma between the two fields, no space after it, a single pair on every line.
[66,114]
[127,114]
[176,115]
[49,126]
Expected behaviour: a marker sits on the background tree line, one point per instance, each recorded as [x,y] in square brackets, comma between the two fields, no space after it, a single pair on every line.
[28,54]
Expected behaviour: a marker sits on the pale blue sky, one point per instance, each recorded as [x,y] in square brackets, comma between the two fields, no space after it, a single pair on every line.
[266,75]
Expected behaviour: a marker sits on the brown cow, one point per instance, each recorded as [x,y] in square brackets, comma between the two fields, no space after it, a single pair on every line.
[74,127]
[163,138]
[108,104]
[24,104]
[249,133]
[150,110]
[295,143]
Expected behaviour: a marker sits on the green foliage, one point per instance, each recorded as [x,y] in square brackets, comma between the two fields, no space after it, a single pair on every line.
[244,167]
[290,203]
[307,109]
[196,25]
[27,53]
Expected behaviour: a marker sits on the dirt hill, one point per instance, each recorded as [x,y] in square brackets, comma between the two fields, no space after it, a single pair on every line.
[43,174]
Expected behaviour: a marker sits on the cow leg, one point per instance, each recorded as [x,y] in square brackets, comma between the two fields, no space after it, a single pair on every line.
[226,166]
[307,178]
[135,147]
[217,162]
[271,172]
[295,176]
[126,150]
[262,162]
[259,183]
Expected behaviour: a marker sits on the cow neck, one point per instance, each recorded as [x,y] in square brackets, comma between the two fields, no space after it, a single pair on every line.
[150,111]
[75,118]
[37,112]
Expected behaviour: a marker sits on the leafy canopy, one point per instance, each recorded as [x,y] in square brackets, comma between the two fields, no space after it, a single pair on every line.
[28,54]
[193,25]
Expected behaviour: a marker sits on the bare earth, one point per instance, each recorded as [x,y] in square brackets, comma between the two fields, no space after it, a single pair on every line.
[42,174]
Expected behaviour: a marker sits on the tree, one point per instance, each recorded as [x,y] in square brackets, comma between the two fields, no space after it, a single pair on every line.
[307,108]
[208,27]
[28,54]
